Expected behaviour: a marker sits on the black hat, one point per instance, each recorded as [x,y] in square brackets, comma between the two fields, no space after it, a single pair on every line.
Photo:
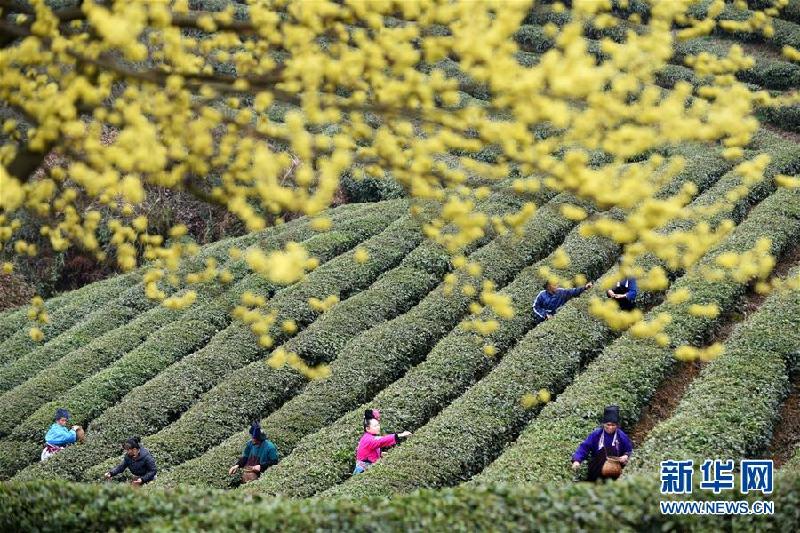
[611,414]
[61,413]
[256,433]
[133,442]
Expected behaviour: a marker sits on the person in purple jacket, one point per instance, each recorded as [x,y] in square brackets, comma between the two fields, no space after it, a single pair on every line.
[606,441]
[549,300]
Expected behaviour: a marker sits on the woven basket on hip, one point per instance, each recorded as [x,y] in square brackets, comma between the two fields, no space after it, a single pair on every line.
[612,468]
[248,474]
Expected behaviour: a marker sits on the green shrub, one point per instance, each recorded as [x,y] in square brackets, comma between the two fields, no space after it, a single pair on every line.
[257,388]
[772,74]
[371,189]
[720,416]
[162,399]
[628,372]
[381,355]
[325,458]
[631,504]
[785,117]
[240,9]
[64,317]
[541,15]
[533,39]
[670,75]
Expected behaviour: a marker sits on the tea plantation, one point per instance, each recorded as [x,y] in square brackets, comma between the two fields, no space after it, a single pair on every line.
[189,382]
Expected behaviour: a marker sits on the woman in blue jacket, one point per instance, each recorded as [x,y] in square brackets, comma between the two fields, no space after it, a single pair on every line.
[549,300]
[58,436]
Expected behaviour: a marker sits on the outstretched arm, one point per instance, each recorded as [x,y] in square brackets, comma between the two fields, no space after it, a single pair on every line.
[120,468]
[572,293]
[584,449]
[387,441]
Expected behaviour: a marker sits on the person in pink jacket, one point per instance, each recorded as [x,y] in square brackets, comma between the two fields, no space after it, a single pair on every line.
[371,443]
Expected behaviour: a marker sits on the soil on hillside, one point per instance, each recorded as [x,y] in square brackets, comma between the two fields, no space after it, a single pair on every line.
[787,430]
[673,388]
[788,135]
[665,400]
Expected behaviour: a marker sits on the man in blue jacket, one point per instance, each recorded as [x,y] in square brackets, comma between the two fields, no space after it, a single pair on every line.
[549,300]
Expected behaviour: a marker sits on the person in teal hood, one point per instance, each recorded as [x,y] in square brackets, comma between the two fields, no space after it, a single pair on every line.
[58,436]
[259,454]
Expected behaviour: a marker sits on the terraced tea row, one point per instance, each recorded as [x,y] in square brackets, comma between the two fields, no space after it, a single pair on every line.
[258,388]
[730,410]
[628,372]
[457,361]
[175,388]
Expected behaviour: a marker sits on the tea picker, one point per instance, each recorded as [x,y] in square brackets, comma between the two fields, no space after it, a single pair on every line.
[608,448]
[259,454]
[551,298]
[372,445]
[58,436]
[138,460]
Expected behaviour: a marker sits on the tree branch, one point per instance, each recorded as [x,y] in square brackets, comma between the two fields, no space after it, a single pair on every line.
[25,163]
